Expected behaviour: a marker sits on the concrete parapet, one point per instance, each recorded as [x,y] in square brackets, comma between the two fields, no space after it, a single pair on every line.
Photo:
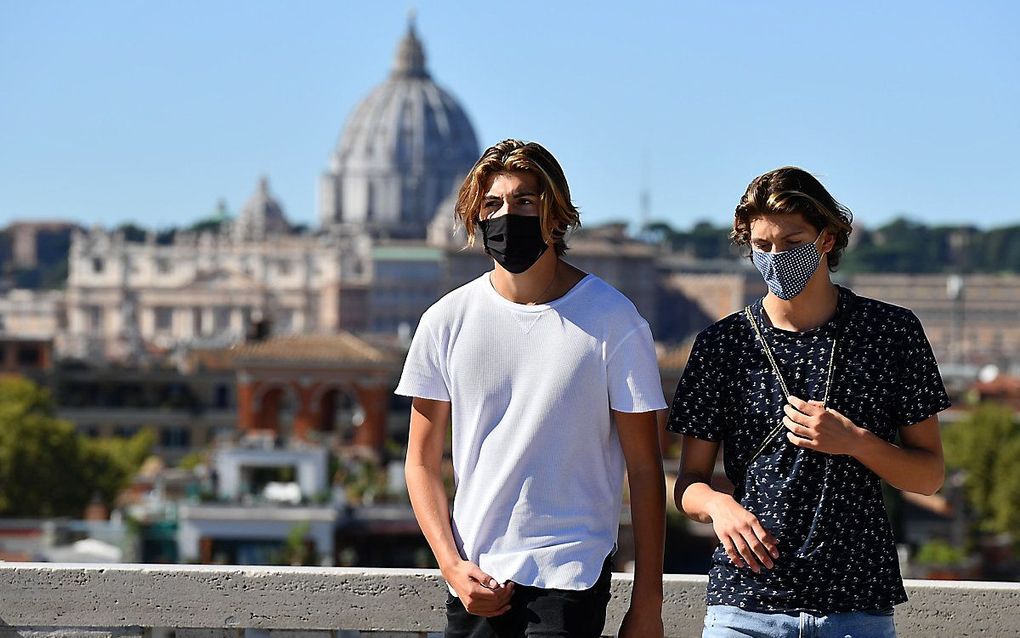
[115,600]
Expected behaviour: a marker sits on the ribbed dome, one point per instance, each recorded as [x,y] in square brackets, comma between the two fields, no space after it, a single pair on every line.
[401,152]
[260,216]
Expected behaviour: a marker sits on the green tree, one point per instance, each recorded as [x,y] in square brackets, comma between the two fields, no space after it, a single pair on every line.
[46,468]
[985,446]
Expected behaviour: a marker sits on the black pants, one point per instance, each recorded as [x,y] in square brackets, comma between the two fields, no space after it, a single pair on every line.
[538,613]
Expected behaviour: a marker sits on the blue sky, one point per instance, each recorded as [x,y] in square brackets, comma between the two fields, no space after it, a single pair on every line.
[150,112]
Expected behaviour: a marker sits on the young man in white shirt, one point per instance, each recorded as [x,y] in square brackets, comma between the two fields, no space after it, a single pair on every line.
[550,378]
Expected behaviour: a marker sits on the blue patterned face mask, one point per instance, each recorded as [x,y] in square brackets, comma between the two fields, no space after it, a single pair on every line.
[787,273]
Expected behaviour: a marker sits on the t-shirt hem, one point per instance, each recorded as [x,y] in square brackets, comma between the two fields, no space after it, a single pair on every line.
[421,393]
[763,608]
[639,409]
[923,415]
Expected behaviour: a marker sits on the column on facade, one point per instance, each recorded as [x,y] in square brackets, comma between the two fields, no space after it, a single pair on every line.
[306,416]
[208,320]
[246,388]
[374,400]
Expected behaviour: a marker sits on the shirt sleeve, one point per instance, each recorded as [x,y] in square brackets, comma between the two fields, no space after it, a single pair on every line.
[920,392]
[697,408]
[633,373]
[423,375]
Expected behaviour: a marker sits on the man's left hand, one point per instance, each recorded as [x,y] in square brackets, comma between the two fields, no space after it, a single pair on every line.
[818,428]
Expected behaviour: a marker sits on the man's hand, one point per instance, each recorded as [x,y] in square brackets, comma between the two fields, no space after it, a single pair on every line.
[642,623]
[746,542]
[480,594]
[821,429]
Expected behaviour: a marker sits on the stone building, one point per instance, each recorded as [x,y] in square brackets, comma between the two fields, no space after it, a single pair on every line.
[969,319]
[402,152]
[124,297]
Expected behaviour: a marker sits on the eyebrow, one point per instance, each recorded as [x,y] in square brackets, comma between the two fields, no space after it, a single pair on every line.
[514,194]
[786,236]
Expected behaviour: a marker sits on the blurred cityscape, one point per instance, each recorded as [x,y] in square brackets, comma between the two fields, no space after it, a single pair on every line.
[221,392]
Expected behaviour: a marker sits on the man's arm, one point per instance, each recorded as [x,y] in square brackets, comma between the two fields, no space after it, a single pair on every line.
[745,541]
[916,466]
[479,592]
[639,437]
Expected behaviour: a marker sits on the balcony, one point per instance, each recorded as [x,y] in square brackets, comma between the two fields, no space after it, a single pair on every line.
[46,600]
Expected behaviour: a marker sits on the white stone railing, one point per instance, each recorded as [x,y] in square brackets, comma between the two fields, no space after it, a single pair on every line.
[51,599]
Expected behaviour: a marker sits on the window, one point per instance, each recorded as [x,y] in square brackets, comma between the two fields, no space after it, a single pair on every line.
[175,437]
[222,396]
[163,265]
[94,319]
[29,356]
[164,318]
[97,265]
[221,319]
[125,431]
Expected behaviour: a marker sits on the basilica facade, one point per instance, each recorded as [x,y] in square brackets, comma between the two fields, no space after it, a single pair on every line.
[389,183]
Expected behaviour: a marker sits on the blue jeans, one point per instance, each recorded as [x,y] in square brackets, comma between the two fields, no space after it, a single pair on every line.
[723,621]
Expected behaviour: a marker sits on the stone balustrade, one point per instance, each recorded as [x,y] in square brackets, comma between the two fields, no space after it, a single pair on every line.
[47,600]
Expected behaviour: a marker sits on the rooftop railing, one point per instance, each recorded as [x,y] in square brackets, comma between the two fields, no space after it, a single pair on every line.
[46,600]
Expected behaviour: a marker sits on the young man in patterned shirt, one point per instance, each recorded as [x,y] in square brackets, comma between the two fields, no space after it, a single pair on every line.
[550,377]
[816,395]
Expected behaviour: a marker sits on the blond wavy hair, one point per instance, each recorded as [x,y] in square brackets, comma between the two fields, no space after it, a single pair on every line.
[557,215]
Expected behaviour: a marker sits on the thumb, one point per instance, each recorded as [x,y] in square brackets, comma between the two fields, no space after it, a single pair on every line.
[484,579]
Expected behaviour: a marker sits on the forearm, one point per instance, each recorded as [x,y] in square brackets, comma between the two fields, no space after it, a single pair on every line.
[909,469]
[428,500]
[648,516]
[697,498]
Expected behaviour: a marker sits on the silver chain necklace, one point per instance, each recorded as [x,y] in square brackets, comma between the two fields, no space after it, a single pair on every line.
[782,382]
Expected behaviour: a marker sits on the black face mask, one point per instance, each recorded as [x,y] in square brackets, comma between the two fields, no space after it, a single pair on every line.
[514,241]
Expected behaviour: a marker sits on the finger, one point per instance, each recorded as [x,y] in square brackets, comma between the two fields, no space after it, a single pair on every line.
[761,553]
[799,442]
[745,553]
[803,405]
[503,595]
[767,539]
[795,415]
[732,553]
[796,428]
[482,578]
[484,595]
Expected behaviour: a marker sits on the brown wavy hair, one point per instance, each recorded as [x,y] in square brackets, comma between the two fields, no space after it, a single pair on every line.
[792,190]
[557,214]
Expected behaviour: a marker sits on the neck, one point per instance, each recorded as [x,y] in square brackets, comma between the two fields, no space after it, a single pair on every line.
[534,285]
[813,307]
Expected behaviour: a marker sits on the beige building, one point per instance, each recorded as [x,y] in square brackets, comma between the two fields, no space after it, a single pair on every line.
[126,297]
[969,319]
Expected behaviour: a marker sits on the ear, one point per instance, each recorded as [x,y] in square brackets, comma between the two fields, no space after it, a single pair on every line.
[828,241]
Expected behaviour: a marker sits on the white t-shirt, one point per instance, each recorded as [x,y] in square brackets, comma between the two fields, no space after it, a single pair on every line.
[537,462]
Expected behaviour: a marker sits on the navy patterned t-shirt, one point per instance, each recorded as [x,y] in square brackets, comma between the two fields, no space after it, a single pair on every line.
[836,546]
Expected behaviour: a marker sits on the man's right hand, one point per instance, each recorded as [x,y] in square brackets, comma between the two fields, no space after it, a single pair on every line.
[746,542]
[480,594]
